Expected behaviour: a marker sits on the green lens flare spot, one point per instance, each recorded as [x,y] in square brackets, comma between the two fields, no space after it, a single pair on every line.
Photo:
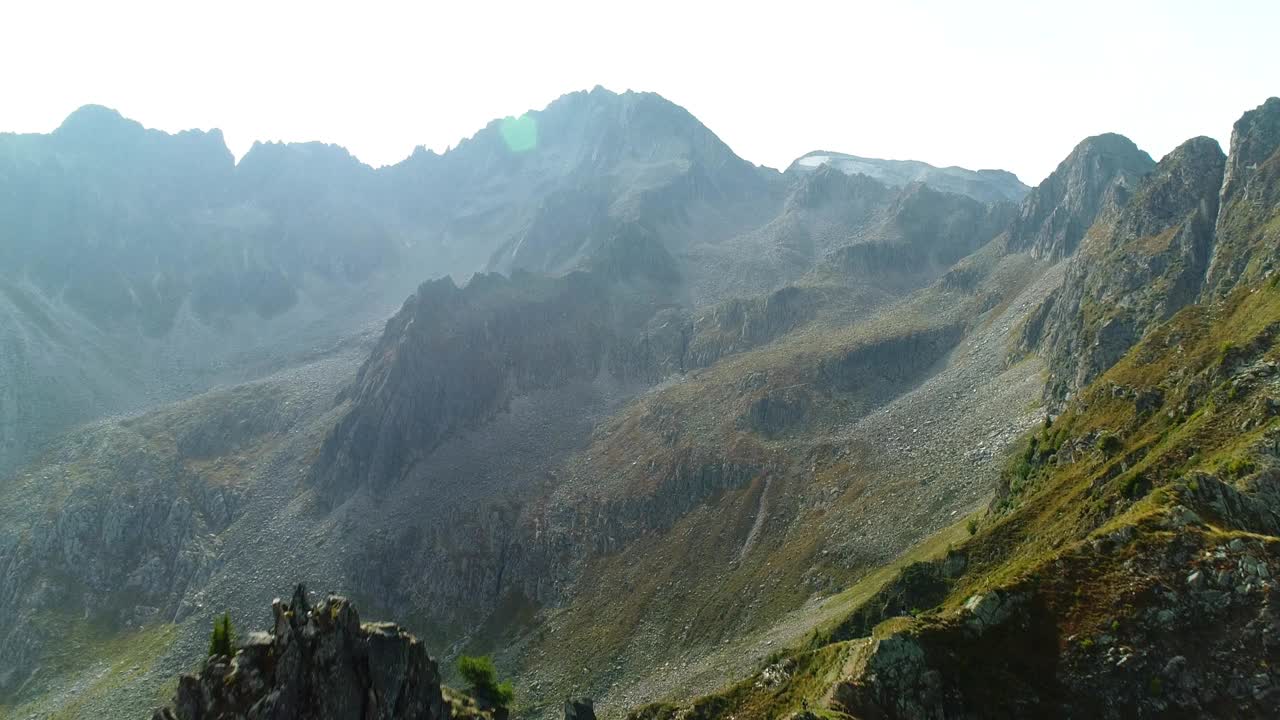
[520,133]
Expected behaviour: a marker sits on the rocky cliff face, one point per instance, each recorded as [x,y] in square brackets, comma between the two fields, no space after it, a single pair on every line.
[1098,175]
[943,227]
[455,357]
[1247,229]
[1135,270]
[1196,227]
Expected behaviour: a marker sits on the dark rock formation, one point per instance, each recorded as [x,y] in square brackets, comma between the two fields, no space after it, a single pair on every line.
[579,709]
[317,663]
[943,226]
[454,357]
[1098,174]
[740,324]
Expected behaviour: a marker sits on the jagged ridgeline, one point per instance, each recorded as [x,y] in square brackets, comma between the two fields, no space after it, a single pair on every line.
[688,436]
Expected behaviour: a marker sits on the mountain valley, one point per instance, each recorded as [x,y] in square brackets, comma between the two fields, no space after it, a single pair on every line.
[655,426]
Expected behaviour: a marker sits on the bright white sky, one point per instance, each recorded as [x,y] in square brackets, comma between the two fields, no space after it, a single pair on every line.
[979,84]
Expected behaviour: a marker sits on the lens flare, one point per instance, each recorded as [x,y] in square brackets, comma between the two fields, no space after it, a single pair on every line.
[520,133]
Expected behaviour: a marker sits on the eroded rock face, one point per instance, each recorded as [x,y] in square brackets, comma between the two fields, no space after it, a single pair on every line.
[1098,174]
[1135,269]
[317,663]
[1247,234]
[452,358]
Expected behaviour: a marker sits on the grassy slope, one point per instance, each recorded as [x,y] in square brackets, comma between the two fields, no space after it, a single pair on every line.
[1037,535]
[90,664]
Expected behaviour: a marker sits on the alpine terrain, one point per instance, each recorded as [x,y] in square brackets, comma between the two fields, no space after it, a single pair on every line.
[592,406]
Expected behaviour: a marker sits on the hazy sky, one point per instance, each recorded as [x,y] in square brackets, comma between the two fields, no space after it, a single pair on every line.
[980,84]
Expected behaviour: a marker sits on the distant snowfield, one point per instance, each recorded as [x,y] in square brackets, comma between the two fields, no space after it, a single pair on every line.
[982,185]
[813,160]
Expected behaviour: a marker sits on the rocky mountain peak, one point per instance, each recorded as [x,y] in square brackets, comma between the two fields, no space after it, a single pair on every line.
[589,132]
[98,122]
[1136,268]
[1247,235]
[307,156]
[1254,139]
[1099,173]
[99,132]
[1182,182]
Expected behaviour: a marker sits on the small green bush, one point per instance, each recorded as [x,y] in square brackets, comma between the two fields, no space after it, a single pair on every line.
[1156,686]
[1228,349]
[1132,486]
[1109,443]
[482,676]
[1236,467]
[222,641]
[972,526]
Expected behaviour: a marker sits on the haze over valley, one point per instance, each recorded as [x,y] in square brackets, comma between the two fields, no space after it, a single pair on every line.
[590,416]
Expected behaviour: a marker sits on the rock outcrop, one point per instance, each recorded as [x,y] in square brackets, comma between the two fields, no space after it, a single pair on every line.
[1135,269]
[316,663]
[1248,230]
[1098,175]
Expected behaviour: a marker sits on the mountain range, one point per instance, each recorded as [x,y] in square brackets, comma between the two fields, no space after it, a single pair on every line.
[654,425]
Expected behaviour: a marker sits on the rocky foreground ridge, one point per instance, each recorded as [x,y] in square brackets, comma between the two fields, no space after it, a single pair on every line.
[321,663]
